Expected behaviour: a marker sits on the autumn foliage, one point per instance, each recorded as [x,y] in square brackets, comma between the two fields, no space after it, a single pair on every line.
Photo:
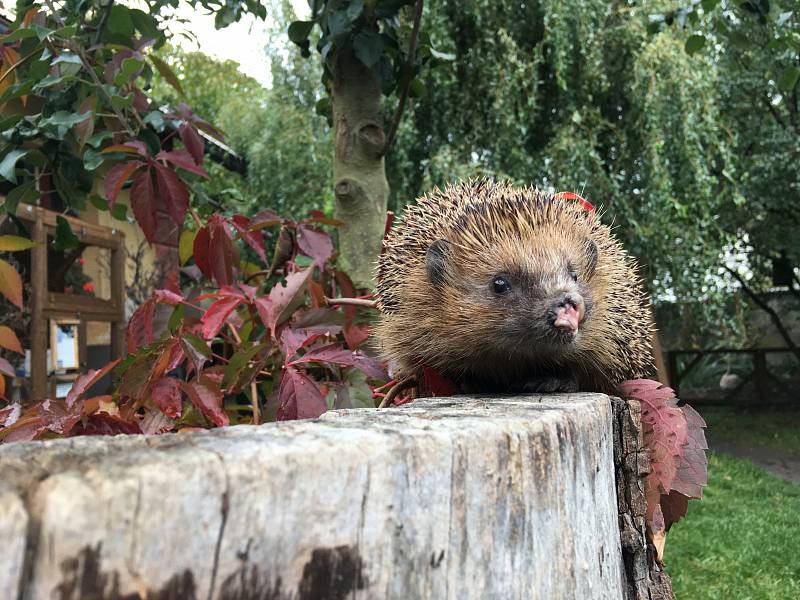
[230,348]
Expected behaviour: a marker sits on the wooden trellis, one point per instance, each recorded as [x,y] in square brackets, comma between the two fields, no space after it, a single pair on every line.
[47,305]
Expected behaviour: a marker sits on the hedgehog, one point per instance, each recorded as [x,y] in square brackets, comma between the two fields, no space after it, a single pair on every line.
[510,289]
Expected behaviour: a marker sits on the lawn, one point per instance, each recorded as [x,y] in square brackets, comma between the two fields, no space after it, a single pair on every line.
[741,541]
[769,428]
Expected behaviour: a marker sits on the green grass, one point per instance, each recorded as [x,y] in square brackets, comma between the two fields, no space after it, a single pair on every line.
[741,541]
[770,428]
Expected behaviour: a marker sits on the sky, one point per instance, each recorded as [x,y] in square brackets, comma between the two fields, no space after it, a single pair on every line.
[242,42]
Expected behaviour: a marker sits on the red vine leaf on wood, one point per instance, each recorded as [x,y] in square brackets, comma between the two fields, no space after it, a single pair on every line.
[215,316]
[214,252]
[252,237]
[116,178]
[87,380]
[674,438]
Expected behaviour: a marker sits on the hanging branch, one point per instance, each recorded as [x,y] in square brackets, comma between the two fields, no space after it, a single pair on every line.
[776,320]
[406,84]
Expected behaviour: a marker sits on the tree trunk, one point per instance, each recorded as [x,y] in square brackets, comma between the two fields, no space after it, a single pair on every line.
[358,168]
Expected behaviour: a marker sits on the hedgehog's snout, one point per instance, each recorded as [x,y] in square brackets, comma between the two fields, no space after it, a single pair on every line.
[567,312]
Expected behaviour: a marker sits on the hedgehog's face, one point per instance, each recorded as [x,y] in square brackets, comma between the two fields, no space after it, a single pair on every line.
[538,301]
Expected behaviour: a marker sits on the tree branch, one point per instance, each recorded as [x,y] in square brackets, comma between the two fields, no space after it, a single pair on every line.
[406,84]
[352,302]
[776,320]
[102,23]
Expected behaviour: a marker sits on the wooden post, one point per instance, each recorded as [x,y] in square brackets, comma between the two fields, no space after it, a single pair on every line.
[39,322]
[118,295]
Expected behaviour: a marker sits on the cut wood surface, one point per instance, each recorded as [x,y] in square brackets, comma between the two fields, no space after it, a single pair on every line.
[443,498]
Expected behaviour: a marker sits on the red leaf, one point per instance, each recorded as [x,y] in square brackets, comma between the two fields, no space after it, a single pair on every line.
[10,284]
[271,308]
[299,397]
[116,178]
[193,141]
[314,243]
[139,331]
[216,314]
[196,349]
[58,416]
[200,250]
[434,384]
[207,397]
[265,218]
[168,297]
[254,238]
[143,203]
[87,380]
[317,216]
[673,507]
[664,425]
[9,340]
[355,334]
[173,192]
[222,255]
[6,368]
[104,424]
[184,160]
[167,396]
[294,339]
[692,473]
[10,414]
[336,354]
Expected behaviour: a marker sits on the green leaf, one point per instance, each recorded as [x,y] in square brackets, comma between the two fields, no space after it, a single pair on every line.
[145,24]
[63,118]
[122,101]
[15,243]
[338,24]
[155,118]
[416,88]
[448,56]
[120,21]
[354,10]
[69,58]
[50,81]
[175,319]
[323,106]
[92,159]
[98,202]
[300,30]
[42,32]
[368,48]
[130,66]
[65,239]
[24,193]
[19,34]
[120,211]
[709,5]
[167,73]
[151,140]
[22,88]
[98,138]
[788,79]
[9,164]
[694,43]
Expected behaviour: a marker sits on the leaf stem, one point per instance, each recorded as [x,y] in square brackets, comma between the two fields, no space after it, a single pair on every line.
[352,302]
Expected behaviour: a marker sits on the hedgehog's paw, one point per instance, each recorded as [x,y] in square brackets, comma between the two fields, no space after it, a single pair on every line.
[550,385]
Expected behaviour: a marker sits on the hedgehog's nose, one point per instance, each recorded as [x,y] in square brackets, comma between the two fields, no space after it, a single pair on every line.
[567,313]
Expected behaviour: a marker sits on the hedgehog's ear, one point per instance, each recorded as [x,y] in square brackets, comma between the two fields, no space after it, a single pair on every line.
[436,261]
[591,258]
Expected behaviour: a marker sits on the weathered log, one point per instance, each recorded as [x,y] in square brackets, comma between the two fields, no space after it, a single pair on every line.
[443,498]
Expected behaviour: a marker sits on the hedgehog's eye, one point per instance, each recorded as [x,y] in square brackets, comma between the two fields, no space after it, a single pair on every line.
[574,275]
[501,285]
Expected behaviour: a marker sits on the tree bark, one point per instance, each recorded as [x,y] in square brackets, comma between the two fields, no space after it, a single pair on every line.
[359,174]
[643,575]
